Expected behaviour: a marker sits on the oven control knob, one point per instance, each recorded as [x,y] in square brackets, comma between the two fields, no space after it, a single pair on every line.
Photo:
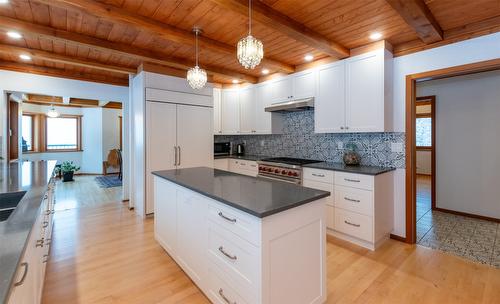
[295,174]
[283,172]
[290,173]
[276,171]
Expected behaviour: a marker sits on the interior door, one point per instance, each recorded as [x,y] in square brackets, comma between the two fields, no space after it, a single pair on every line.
[13,130]
[160,142]
[194,136]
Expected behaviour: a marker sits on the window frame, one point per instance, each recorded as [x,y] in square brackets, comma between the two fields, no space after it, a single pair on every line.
[78,134]
[33,135]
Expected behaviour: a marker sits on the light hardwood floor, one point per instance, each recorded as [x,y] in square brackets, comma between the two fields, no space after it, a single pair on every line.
[103,253]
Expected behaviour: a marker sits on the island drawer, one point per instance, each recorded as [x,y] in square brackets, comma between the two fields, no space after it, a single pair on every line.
[324,176]
[237,258]
[243,225]
[355,200]
[354,224]
[221,292]
[321,186]
[360,181]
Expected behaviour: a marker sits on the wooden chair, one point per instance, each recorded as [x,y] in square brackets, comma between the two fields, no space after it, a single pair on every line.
[114,160]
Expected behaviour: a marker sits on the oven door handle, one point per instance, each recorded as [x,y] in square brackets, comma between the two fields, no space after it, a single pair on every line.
[295,181]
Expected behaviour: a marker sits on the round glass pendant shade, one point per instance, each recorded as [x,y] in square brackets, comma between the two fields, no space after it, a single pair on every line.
[250,52]
[196,77]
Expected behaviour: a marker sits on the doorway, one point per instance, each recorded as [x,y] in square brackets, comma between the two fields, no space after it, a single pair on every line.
[13,142]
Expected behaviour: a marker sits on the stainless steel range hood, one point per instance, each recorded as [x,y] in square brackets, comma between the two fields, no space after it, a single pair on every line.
[292,106]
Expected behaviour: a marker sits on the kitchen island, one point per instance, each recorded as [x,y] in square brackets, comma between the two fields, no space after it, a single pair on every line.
[243,239]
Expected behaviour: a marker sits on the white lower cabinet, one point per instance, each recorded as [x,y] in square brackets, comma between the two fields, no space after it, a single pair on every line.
[221,164]
[245,167]
[29,279]
[228,253]
[360,209]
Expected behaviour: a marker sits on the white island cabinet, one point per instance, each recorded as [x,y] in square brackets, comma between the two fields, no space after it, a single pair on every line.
[237,257]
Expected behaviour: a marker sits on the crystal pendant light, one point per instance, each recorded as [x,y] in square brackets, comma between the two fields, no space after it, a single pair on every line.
[196,77]
[250,50]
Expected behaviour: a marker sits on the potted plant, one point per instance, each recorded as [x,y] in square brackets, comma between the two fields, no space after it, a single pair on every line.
[68,168]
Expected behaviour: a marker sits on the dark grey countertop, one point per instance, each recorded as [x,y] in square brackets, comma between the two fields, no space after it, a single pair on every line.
[367,170]
[244,157]
[260,197]
[32,177]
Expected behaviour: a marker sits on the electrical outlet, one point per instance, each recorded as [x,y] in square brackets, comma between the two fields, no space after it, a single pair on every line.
[340,145]
[397,147]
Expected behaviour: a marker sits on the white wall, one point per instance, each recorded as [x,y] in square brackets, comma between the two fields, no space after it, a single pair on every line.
[92,140]
[464,52]
[467,140]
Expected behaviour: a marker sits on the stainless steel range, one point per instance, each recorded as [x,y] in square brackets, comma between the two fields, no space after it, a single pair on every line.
[283,168]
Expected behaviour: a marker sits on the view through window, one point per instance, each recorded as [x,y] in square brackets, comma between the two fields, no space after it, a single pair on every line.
[62,133]
[424,132]
[27,132]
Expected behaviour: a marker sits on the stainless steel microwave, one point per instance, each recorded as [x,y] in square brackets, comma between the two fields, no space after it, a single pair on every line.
[222,148]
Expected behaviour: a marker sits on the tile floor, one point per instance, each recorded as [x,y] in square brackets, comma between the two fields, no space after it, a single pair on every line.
[472,239]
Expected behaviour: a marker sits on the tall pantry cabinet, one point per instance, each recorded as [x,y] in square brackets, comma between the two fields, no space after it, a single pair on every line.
[172,127]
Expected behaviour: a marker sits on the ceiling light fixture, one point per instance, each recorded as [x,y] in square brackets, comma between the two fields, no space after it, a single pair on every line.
[250,50]
[375,36]
[235,81]
[4,1]
[14,35]
[196,77]
[52,113]
[265,71]
[308,57]
[25,57]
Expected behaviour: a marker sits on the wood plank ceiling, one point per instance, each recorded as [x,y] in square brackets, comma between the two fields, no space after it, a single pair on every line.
[105,40]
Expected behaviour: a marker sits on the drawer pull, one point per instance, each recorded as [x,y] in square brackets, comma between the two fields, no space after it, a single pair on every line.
[232,257]
[318,175]
[25,265]
[45,258]
[39,243]
[352,224]
[351,199]
[232,220]
[352,180]
[221,294]
[45,224]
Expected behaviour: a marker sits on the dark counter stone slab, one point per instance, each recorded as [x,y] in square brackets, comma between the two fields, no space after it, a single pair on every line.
[367,170]
[257,196]
[242,157]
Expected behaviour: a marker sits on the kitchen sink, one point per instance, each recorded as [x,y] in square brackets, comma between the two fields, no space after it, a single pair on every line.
[8,203]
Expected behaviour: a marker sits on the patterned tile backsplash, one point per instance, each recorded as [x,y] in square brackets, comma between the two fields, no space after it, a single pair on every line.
[299,140]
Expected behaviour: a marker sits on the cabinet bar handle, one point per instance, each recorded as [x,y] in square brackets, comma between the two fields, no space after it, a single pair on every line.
[232,220]
[179,162]
[352,180]
[318,175]
[232,257]
[25,265]
[352,224]
[175,156]
[221,294]
[351,200]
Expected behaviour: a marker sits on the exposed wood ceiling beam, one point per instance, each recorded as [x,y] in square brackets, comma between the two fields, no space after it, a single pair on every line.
[31,29]
[84,102]
[419,17]
[113,105]
[275,20]
[46,71]
[53,57]
[45,98]
[163,30]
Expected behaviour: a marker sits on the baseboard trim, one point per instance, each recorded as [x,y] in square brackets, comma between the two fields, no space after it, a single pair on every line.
[476,216]
[398,238]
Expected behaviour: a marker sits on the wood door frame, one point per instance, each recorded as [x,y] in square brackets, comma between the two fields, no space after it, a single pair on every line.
[411,99]
[430,100]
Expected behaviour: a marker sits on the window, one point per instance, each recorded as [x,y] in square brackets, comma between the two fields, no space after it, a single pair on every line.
[27,132]
[63,133]
[424,132]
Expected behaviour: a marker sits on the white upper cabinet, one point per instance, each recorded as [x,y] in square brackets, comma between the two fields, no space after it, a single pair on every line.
[263,119]
[365,93]
[247,111]
[367,98]
[329,105]
[230,111]
[282,89]
[304,84]
[217,111]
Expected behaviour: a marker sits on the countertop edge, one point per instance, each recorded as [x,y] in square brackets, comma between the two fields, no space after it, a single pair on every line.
[239,207]
[350,170]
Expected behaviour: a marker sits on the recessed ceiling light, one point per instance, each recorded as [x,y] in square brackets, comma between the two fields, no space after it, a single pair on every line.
[14,35]
[265,71]
[235,81]
[25,57]
[375,36]
[4,1]
[308,57]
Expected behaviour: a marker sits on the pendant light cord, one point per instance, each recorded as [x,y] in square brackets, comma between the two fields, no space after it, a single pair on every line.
[249,17]
[196,44]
